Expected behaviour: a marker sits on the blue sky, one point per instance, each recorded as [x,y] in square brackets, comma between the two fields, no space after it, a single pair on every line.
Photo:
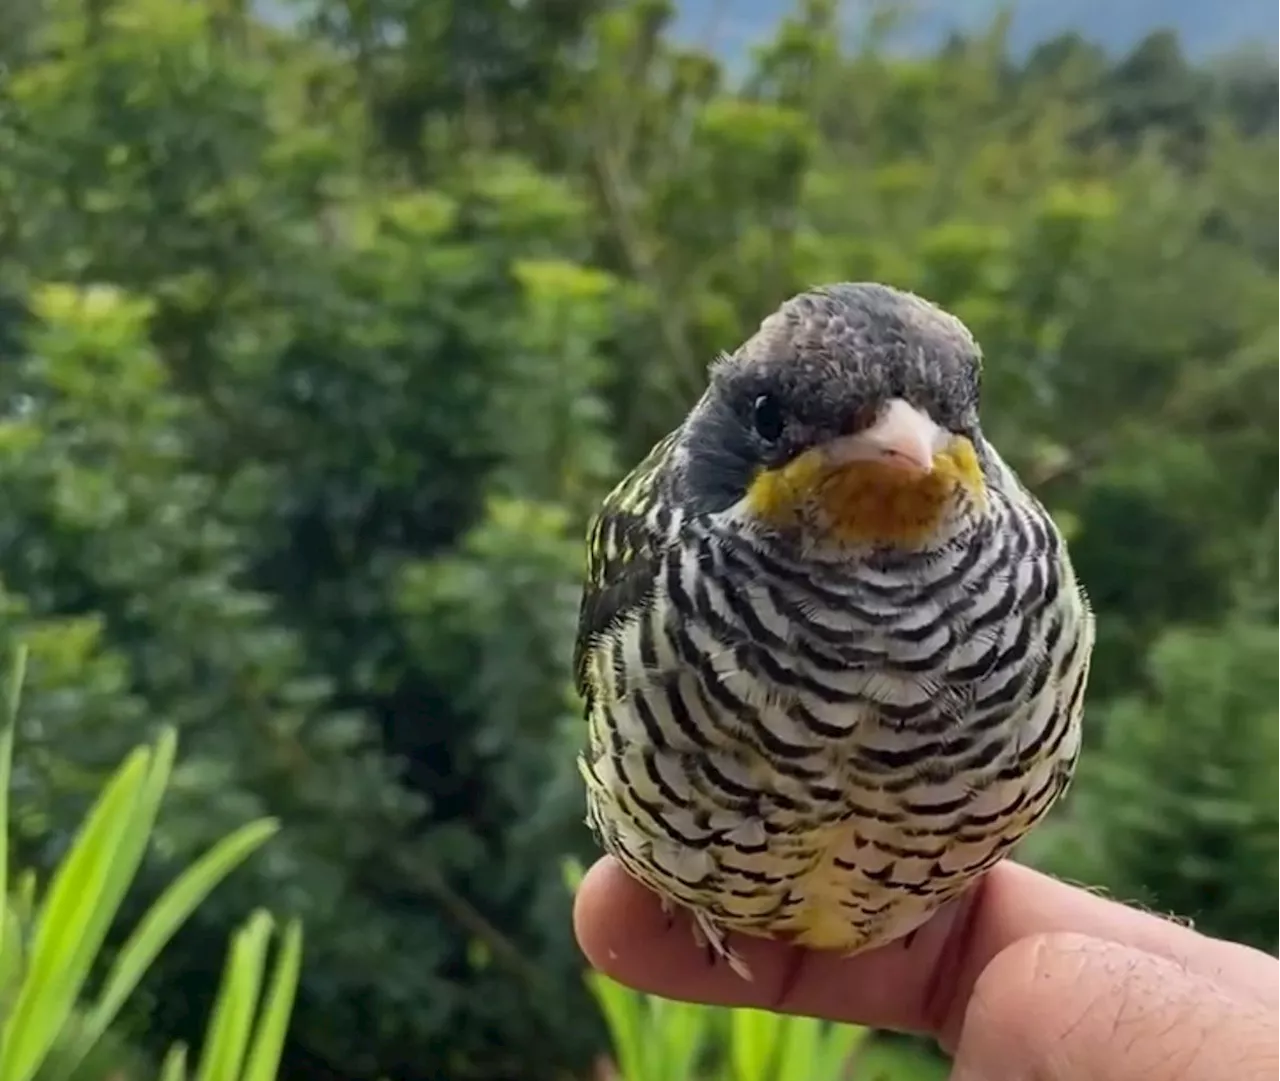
[1206,26]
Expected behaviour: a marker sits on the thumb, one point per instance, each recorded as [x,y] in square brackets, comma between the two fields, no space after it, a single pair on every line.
[1061,1007]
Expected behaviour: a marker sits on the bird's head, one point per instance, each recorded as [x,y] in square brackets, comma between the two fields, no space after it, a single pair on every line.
[850,418]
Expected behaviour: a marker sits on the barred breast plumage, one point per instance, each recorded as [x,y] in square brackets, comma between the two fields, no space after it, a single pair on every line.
[795,741]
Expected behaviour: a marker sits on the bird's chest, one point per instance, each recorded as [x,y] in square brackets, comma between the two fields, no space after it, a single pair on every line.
[841,659]
[783,746]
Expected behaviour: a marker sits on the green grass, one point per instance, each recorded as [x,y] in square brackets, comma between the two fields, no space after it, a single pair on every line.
[50,938]
[888,1059]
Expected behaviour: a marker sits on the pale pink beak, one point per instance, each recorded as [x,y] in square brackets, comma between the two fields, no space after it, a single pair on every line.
[902,436]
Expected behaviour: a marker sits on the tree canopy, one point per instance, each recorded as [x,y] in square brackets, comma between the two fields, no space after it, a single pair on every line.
[321,337]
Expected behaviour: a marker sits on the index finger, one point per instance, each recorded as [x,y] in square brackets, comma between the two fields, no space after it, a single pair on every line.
[921,988]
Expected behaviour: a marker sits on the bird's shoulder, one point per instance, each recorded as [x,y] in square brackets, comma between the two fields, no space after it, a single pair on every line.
[624,549]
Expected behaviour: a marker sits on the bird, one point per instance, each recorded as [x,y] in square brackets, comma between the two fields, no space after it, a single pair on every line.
[832,652]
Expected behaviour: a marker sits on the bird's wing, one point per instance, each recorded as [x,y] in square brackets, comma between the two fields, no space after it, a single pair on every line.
[623,557]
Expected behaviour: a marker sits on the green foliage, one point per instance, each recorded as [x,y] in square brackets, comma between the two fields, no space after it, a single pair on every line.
[267,471]
[1175,808]
[51,939]
[321,339]
[655,1039]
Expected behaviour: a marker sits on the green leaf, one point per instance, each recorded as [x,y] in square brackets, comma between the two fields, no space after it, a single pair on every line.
[85,894]
[162,921]
[273,1025]
[227,1037]
[624,1013]
[798,1053]
[12,703]
[71,924]
[835,1047]
[174,1067]
[12,959]
[754,1043]
[683,1031]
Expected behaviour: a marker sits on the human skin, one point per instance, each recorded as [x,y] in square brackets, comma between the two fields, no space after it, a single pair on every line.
[1024,979]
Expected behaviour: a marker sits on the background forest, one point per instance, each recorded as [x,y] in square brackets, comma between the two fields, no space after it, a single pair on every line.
[321,336]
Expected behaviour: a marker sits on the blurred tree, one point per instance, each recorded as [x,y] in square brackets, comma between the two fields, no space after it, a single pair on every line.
[19,24]
[481,71]
[1247,82]
[1176,806]
[1154,91]
[311,371]
[286,493]
[1086,60]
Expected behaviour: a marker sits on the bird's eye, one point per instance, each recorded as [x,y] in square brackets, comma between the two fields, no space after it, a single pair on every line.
[766,415]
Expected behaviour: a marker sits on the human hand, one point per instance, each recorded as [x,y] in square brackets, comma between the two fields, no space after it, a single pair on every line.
[1025,977]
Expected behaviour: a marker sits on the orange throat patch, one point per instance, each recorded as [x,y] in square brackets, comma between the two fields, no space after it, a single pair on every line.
[867,502]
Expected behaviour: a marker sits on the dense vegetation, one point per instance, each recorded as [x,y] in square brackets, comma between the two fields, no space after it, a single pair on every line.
[320,340]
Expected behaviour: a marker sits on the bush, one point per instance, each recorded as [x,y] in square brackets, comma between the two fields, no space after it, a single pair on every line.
[1175,808]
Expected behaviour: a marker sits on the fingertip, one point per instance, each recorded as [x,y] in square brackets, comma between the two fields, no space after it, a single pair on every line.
[624,932]
[1014,981]
[611,913]
[1010,1024]
[1048,1006]
[590,910]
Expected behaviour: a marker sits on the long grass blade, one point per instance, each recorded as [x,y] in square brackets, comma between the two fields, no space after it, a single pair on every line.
[12,704]
[273,1026]
[682,1031]
[162,921]
[754,1036]
[132,847]
[836,1048]
[227,1037]
[25,893]
[174,1067]
[797,1050]
[625,1015]
[70,926]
